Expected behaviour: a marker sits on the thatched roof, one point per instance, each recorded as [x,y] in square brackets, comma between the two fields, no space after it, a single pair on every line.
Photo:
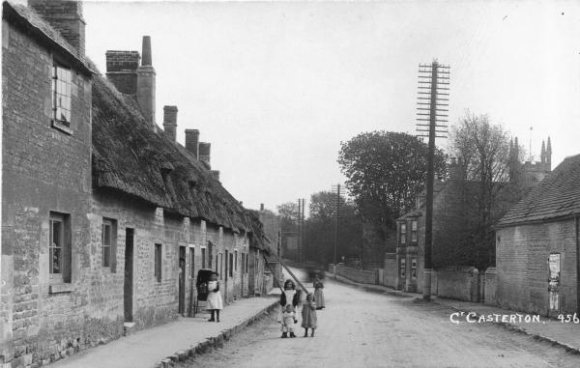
[128,156]
[259,240]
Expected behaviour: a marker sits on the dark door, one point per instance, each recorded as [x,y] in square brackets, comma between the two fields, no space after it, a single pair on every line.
[128,285]
[226,276]
[181,272]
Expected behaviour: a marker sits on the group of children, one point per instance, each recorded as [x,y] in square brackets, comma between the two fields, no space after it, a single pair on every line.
[289,300]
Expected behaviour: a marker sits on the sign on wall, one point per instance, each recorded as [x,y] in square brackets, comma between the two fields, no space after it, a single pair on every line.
[554,280]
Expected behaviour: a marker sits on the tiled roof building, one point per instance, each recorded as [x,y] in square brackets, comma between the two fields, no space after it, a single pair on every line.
[537,245]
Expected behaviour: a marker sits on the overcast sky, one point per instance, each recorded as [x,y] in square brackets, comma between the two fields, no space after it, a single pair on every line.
[275,87]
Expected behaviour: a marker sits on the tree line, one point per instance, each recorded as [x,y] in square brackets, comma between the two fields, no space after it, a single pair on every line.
[386,174]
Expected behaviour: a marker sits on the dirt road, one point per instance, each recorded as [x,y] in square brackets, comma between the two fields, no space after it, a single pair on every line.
[360,328]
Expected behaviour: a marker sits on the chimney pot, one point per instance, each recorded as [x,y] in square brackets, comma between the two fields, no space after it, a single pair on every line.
[66,17]
[146,47]
[204,153]
[122,70]
[146,83]
[170,121]
[216,174]
[261,206]
[192,141]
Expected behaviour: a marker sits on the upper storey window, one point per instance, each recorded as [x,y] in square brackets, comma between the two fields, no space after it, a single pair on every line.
[61,96]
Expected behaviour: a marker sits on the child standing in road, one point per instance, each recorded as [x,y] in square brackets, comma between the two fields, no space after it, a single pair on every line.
[289,295]
[318,293]
[309,319]
[214,299]
[288,321]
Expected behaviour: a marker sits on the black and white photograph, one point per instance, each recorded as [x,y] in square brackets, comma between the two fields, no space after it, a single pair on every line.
[280,184]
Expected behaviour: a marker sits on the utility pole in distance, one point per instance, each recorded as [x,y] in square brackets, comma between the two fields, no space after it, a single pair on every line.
[302,232]
[337,214]
[299,230]
[433,107]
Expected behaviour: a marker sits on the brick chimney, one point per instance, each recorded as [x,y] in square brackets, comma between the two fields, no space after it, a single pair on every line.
[146,83]
[122,70]
[170,121]
[216,174]
[192,141]
[204,153]
[64,16]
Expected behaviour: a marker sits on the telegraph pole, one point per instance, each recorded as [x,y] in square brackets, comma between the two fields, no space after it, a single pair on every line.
[433,108]
[302,233]
[336,220]
[299,230]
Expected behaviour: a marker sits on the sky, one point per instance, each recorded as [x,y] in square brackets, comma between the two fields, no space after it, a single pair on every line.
[275,87]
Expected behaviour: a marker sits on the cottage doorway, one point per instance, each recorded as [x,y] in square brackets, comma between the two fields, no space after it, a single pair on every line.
[128,284]
[181,271]
[226,277]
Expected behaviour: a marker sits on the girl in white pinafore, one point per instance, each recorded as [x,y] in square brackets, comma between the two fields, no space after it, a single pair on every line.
[289,297]
[214,299]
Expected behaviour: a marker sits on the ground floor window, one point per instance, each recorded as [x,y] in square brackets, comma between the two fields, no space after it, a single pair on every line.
[59,247]
[109,241]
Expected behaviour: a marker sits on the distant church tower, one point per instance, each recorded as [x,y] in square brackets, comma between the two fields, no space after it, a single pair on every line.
[535,172]
[531,173]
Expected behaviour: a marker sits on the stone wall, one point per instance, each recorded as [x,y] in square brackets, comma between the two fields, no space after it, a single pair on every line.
[360,276]
[460,283]
[522,265]
[390,270]
[45,169]
[490,286]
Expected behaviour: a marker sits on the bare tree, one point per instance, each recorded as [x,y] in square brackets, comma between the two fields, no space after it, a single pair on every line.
[484,186]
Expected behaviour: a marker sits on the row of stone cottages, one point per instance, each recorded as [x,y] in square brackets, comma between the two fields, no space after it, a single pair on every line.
[106,219]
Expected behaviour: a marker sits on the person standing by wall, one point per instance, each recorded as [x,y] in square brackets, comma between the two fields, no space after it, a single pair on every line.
[214,298]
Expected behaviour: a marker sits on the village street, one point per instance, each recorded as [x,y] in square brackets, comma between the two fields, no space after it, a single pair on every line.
[361,328]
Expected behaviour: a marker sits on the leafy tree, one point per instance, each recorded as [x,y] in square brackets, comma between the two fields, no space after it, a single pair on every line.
[385,172]
[320,228]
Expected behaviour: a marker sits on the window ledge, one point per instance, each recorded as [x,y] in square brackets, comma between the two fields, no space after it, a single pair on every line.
[60,126]
[60,288]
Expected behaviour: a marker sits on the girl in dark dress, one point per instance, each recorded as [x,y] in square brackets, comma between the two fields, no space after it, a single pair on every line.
[309,319]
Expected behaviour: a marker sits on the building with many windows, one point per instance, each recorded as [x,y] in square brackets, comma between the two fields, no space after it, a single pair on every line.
[106,219]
